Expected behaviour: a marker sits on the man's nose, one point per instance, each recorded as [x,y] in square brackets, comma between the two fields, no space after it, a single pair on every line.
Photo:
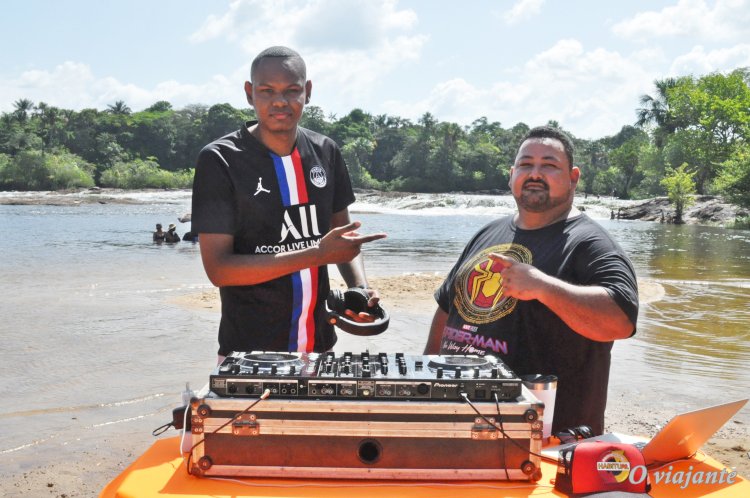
[536,171]
[279,100]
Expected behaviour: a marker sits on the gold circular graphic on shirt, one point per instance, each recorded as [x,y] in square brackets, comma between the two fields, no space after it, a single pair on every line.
[478,286]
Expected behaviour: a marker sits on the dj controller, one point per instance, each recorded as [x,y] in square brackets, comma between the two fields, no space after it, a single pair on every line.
[364,377]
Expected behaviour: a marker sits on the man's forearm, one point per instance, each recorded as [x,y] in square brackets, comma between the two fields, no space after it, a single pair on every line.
[353,272]
[251,269]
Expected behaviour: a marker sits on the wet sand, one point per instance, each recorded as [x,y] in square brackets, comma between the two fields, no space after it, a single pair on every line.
[84,465]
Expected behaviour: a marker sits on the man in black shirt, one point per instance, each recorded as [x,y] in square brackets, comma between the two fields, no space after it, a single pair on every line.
[270,205]
[547,290]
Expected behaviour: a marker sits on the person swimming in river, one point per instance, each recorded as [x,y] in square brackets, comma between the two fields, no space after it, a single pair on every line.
[159,234]
[172,236]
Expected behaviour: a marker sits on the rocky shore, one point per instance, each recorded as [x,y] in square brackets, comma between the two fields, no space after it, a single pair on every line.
[706,210]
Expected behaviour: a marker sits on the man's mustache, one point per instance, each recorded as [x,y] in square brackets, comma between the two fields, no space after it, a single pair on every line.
[536,182]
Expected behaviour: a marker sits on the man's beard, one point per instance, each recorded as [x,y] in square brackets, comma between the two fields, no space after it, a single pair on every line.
[538,201]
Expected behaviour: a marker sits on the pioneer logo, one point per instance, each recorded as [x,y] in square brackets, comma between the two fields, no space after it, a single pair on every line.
[438,384]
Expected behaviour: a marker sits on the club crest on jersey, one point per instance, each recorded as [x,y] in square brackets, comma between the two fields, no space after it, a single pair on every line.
[479,296]
[308,224]
[318,176]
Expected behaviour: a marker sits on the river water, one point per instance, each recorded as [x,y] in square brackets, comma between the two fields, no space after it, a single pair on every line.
[91,341]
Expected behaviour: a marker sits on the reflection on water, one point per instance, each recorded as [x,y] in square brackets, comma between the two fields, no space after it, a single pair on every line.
[694,342]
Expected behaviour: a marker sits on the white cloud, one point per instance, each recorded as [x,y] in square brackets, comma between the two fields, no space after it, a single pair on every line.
[348,45]
[73,85]
[522,10]
[725,20]
[593,93]
[700,61]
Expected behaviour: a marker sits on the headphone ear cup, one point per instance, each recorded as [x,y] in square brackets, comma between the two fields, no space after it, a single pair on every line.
[336,302]
[356,299]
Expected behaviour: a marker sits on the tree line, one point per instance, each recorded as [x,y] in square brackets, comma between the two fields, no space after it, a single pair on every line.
[692,132]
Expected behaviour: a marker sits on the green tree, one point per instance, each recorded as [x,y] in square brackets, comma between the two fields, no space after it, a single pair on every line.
[119,107]
[23,108]
[734,176]
[680,188]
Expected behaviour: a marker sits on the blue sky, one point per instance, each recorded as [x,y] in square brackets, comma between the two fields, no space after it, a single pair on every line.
[582,63]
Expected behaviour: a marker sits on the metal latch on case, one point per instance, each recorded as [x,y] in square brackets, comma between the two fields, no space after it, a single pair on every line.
[482,430]
[246,425]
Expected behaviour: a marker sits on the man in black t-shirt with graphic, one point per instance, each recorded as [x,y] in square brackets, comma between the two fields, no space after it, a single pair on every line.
[547,289]
[270,205]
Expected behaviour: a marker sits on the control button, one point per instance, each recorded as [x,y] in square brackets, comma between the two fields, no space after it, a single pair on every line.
[458,373]
[439,372]
[418,365]
[476,372]
[274,368]
[292,370]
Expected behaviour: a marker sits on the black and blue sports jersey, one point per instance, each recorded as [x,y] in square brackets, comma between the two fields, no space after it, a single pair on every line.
[272,204]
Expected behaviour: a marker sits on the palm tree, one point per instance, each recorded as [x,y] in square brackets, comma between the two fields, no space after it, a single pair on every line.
[656,110]
[119,107]
[22,109]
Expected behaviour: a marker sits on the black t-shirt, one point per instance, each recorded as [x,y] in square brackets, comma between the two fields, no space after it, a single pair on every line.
[527,335]
[272,204]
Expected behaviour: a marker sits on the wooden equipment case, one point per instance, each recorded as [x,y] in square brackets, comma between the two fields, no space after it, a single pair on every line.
[367,439]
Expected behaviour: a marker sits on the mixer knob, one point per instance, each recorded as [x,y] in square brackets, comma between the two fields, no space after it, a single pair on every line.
[476,372]
[384,368]
[256,367]
[234,369]
[292,370]
[346,369]
[402,369]
[365,371]
[493,374]
[439,372]
[399,355]
[418,365]
[274,369]
[458,373]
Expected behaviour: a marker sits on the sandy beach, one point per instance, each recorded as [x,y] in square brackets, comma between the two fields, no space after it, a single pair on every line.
[85,465]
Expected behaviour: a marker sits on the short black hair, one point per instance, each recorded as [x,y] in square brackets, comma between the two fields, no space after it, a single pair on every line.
[555,133]
[282,53]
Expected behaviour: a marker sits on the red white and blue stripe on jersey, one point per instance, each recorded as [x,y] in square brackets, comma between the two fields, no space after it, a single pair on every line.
[293,189]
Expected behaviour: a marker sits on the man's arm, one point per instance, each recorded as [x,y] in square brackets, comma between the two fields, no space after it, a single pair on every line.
[589,310]
[225,268]
[436,332]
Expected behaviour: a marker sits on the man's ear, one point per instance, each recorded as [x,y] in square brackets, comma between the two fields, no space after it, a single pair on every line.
[575,175]
[249,92]
[308,91]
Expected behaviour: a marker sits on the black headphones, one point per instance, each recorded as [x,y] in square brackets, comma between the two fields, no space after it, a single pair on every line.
[355,299]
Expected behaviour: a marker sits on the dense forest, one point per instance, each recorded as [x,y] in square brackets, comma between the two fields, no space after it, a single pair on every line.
[690,134]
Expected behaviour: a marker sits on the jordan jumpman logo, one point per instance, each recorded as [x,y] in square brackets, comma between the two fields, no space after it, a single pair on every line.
[260,187]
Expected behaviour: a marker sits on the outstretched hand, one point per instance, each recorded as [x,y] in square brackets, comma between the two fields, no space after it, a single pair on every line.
[344,243]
